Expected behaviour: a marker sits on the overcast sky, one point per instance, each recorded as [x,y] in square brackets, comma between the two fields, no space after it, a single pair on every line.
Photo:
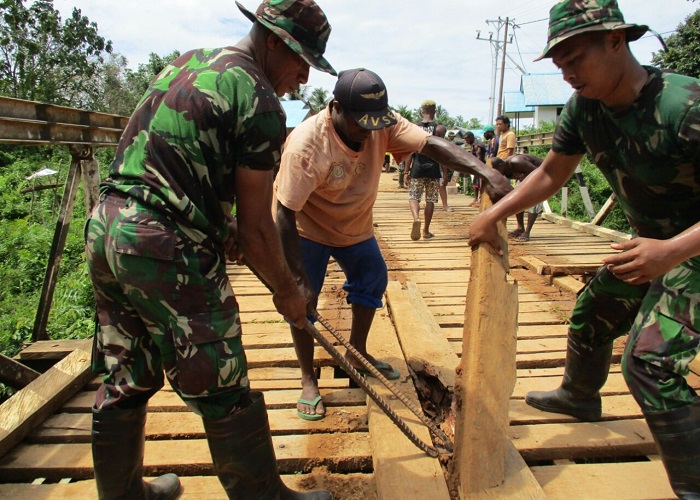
[422,49]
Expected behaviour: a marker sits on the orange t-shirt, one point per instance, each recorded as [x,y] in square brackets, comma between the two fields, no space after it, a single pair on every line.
[506,141]
[333,188]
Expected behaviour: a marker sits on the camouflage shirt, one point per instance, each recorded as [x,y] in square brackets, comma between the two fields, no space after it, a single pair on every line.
[209,112]
[649,153]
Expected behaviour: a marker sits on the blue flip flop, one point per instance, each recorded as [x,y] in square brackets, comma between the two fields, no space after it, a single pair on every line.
[382,366]
[314,403]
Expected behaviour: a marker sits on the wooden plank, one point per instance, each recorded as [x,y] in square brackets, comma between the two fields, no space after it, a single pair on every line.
[618,438]
[76,427]
[50,349]
[339,452]
[28,408]
[587,227]
[425,348]
[637,480]
[534,264]
[418,476]
[569,283]
[615,407]
[168,400]
[605,210]
[15,374]
[695,366]
[355,485]
[487,368]
[614,385]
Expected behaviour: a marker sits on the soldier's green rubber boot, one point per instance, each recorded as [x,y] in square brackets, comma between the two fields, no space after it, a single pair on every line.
[118,438]
[244,458]
[585,373]
[677,436]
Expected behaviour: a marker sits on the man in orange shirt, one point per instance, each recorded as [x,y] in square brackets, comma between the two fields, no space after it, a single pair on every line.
[326,188]
[506,142]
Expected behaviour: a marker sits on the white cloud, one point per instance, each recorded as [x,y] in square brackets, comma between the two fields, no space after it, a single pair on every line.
[422,49]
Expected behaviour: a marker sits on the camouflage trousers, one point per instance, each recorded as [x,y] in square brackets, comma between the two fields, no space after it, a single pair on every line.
[164,304]
[663,321]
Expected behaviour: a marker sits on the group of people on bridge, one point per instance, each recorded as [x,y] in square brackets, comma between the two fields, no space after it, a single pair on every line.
[209,135]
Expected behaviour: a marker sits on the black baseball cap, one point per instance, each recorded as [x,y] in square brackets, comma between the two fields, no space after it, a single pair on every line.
[363,94]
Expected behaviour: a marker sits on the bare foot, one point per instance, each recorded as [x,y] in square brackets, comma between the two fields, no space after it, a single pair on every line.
[415,230]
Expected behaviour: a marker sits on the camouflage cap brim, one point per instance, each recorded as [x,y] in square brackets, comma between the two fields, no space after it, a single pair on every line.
[312,57]
[634,32]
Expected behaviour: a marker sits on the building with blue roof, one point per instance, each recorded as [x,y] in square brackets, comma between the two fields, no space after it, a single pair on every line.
[542,97]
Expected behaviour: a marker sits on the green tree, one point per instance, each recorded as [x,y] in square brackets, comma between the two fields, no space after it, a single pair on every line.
[319,99]
[45,59]
[406,112]
[121,88]
[683,49]
[472,123]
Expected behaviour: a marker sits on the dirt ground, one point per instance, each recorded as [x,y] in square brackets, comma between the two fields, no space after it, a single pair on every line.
[342,486]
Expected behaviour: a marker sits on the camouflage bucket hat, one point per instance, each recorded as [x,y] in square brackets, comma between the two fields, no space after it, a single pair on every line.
[573,17]
[301,24]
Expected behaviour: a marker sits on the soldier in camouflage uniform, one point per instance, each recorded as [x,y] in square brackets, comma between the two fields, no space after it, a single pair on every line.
[642,129]
[206,135]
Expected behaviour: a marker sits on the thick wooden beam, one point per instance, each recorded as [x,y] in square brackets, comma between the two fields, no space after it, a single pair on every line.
[430,355]
[588,227]
[486,374]
[28,408]
[401,470]
[60,235]
[15,374]
[605,210]
[36,123]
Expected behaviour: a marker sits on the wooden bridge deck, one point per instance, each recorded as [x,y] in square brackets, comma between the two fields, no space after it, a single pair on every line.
[355,451]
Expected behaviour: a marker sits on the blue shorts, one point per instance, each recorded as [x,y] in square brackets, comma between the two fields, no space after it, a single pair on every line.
[363,265]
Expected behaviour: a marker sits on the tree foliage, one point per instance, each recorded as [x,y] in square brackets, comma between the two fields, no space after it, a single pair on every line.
[683,49]
[122,88]
[45,59]
[319,99]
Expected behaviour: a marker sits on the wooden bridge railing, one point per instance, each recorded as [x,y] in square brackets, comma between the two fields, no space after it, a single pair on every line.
[30,123]
[596,219]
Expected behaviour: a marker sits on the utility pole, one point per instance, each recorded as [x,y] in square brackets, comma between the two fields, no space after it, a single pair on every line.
[503,71]
[497,45]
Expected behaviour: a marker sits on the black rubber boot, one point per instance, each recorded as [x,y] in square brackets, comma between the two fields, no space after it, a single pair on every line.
[118,438]
[585,373]
[244,458]
[677,436]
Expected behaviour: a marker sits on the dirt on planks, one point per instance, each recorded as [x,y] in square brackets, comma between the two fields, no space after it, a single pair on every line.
[342,486]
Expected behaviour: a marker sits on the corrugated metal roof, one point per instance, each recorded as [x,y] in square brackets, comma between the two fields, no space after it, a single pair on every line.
[514,102]
[544,89]
[296,112]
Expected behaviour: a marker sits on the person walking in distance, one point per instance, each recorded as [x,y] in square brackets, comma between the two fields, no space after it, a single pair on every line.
[424,175]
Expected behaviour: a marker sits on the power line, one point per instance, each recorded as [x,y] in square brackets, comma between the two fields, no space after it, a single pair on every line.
[496,46]
[517,46]
[536,21]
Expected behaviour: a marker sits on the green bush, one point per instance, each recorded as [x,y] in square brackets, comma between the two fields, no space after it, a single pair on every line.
[27,226]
